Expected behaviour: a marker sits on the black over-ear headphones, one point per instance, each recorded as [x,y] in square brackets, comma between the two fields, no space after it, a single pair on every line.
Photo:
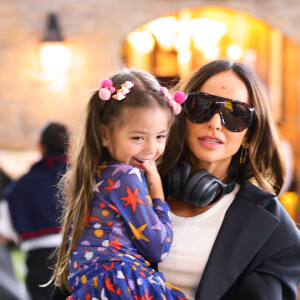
[200,189]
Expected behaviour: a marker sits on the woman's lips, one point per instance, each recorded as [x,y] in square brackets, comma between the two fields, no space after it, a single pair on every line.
[210,142]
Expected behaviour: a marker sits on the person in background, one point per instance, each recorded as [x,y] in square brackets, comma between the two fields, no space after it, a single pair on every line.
[9,286]
[4,181]
[233,239]
[32,211]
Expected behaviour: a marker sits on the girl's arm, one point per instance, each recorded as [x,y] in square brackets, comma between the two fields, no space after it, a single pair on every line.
[147,219]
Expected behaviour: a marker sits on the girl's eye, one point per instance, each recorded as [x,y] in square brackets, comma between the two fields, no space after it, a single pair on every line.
[161,137]
[137,138]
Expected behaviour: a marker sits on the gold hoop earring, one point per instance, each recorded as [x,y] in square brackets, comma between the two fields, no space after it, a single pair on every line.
[244,153]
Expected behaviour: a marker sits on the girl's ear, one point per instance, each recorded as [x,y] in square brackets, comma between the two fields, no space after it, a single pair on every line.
[105,135]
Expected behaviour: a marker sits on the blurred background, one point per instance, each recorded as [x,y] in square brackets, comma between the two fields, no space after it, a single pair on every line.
[53,54]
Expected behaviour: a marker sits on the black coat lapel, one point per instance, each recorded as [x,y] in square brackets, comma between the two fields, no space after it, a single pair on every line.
[245,228]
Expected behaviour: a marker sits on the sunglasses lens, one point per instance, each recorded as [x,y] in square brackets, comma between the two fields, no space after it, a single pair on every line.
[201,107]
[197,109]
[236,116]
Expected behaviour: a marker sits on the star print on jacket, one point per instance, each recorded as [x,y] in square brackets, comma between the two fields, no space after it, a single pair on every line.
[132,198]
[125,230]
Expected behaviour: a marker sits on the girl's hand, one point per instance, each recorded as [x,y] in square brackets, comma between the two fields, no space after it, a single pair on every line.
[153,179]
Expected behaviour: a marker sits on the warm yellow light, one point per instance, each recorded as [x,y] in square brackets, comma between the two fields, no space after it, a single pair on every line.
[211,52]
[183,57]
[234,52]
[182,42]
[55,58]
[207,32]
[290,202]
[184,25]
[141,41]
[164,29]
[250,56]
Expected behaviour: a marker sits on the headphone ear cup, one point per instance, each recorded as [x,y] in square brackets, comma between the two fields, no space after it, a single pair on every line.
[177,178]
[202,189]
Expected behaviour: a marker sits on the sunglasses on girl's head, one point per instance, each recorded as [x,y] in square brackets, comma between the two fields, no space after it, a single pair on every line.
[235,115]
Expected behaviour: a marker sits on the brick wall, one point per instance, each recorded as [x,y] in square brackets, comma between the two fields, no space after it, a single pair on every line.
[94,31]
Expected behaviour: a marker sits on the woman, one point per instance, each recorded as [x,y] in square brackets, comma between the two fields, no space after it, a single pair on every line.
[243,245]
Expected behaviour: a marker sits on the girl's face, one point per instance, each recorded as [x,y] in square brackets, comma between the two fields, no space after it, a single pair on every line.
[141,137]
[211,144]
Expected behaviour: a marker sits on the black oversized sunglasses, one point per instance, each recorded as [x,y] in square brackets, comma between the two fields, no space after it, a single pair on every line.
[235,115]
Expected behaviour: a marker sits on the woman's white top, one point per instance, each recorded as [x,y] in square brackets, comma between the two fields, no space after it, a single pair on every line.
[193,239]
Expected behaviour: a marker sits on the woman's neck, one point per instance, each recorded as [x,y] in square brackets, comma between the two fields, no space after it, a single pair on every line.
[218,169]
[182,209]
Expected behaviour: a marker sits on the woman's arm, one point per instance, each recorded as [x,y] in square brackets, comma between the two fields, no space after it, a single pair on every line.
[275,271]
[276,278]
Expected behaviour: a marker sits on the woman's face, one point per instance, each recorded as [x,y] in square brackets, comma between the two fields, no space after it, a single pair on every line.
[211,144]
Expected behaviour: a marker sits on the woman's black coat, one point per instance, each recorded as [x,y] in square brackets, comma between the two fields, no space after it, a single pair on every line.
[256,254]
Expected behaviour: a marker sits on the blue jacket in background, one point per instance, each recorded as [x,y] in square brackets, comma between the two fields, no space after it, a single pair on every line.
[32,199]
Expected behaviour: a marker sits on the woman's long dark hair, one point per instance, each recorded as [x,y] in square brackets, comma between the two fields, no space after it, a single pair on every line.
[263,165]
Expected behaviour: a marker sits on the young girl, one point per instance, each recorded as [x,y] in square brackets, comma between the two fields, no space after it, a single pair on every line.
[113,224]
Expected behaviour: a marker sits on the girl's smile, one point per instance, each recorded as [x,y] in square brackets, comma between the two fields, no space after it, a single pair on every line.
[140,139]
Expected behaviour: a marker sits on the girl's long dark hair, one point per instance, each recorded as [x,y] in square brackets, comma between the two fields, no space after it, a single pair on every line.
[86,151]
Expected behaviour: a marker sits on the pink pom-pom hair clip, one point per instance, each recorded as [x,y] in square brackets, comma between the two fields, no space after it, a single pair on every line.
[107,90]
[175,101]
